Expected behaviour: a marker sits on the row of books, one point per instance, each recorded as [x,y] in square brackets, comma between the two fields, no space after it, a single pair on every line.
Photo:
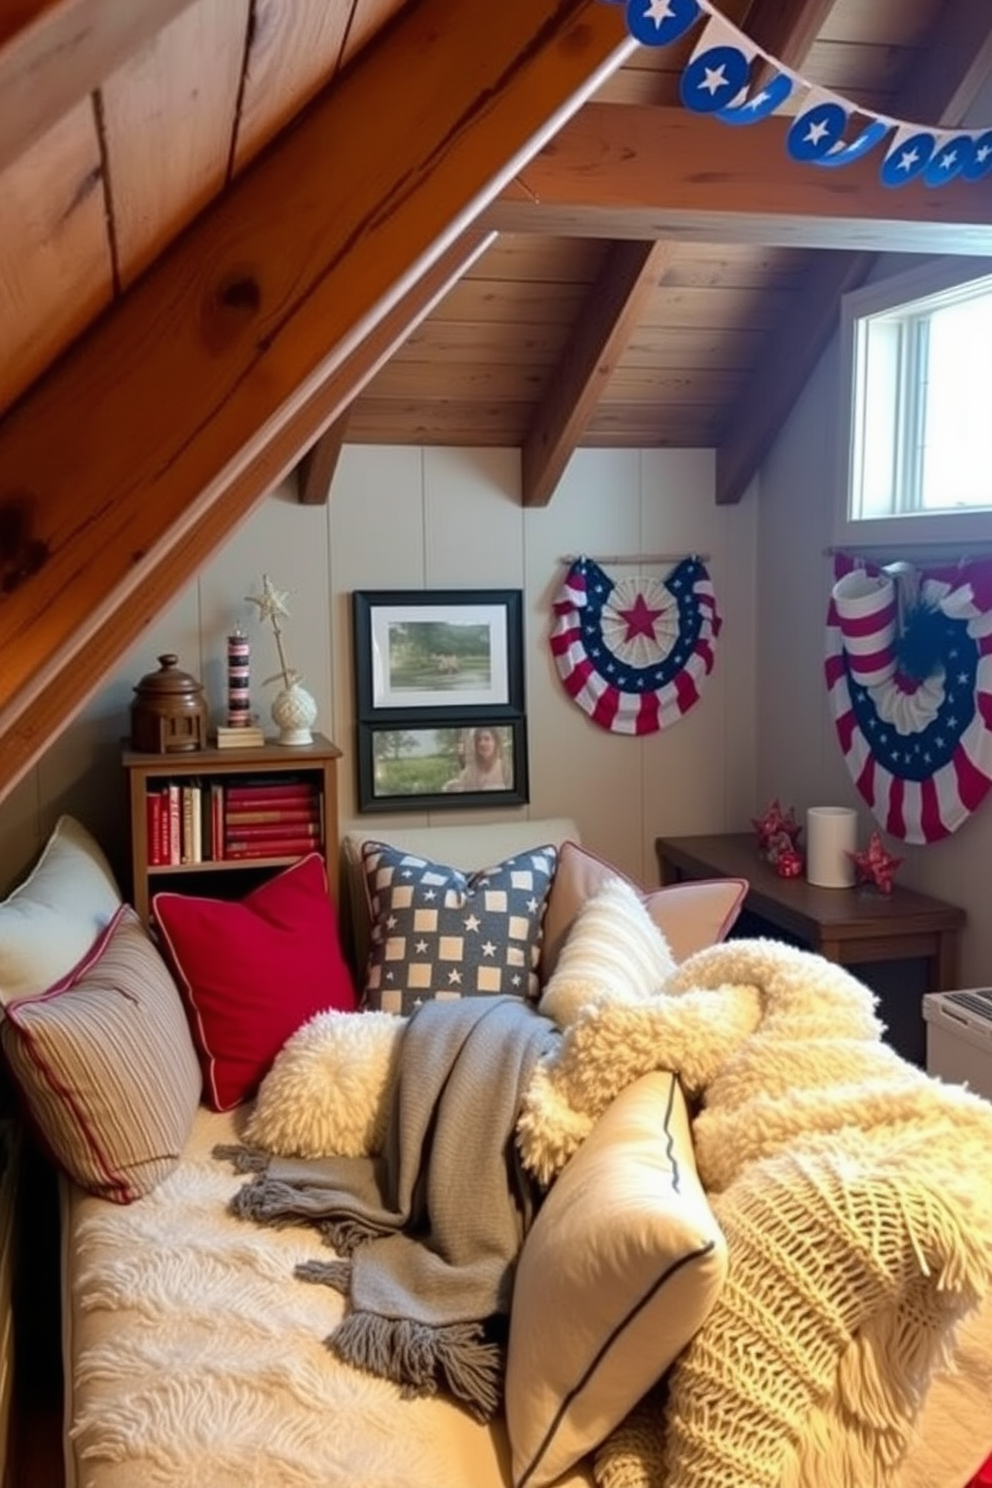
[194,822]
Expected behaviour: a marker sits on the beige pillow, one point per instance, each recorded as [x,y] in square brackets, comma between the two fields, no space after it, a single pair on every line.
[49,922]
[691,915]
[622,1265]
[106,1065]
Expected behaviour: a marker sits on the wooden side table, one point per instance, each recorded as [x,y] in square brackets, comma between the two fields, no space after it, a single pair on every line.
[850,926]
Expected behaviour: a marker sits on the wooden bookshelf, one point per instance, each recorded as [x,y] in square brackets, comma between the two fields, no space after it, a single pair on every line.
[146,773]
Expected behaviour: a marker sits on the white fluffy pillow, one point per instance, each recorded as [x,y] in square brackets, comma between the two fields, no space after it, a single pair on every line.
[614,952]
[50,921]
[329,1090]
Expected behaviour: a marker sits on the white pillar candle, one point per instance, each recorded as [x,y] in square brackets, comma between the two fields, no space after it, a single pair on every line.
[831,835]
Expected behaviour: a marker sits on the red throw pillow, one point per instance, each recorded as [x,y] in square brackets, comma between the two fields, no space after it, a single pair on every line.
[253,971]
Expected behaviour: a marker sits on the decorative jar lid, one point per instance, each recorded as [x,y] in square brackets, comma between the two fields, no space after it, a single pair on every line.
[168,682]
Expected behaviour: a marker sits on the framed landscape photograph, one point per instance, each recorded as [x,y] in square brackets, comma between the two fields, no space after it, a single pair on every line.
[441,764]
[420,652]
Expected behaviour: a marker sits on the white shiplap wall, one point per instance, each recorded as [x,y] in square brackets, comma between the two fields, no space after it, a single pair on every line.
[429,518]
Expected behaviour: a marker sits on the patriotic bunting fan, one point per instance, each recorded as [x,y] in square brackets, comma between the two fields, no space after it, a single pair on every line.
[634,653]
[909,672]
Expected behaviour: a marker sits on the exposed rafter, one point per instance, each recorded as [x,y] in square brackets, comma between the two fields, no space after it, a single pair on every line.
[943,87]
[626,281]
[653,172]
[54,52]
[202,387]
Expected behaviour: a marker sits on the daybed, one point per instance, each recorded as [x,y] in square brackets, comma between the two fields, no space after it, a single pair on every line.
[195,1355]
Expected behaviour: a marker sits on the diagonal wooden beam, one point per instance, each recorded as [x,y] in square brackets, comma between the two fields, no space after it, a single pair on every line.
[114,465]
[954,66]
[646,171]
[624,285]
[943,87]
[54,52]
[786,29]
[316,470]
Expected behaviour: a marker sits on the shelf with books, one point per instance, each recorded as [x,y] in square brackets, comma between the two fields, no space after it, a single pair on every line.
[229,810]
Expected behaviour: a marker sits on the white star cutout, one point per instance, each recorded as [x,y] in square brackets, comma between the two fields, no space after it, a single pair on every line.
[815,132]
[489,949]
[658,11]
[454,977]
[948,161]
[421,947]
[908,159]
[714,78]
[472,922]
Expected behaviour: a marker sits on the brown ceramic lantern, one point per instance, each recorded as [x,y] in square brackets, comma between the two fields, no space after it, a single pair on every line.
[169,712]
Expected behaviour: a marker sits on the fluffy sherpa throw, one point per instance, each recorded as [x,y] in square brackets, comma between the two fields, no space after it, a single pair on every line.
[433,1226]
[855,1193]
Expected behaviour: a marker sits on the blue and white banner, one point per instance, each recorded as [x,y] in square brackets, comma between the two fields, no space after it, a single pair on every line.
[827,130]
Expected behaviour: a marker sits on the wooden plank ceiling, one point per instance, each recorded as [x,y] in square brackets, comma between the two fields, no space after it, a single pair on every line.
[235,234]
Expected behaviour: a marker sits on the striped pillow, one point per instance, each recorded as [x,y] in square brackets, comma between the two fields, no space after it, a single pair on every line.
[106,1065]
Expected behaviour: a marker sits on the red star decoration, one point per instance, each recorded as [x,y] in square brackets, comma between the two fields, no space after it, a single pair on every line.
[875,865]
[640,619]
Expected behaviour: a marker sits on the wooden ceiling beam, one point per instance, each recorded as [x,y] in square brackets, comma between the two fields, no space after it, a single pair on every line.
[134,457]
[658,172]
[54,52]
[616,302]
[784,28]
[943,87]
[316,470]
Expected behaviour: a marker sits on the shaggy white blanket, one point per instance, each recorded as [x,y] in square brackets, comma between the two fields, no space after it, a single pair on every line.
[855,1193]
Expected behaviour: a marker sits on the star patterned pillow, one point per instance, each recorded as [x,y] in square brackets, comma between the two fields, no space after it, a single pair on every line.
[439,933]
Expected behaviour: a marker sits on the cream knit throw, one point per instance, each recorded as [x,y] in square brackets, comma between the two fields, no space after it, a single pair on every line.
[855,1194]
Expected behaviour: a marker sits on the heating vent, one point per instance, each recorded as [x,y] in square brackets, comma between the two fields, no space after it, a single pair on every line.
[977,1000]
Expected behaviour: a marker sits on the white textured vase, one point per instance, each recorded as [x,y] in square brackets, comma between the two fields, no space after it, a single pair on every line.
[294,712]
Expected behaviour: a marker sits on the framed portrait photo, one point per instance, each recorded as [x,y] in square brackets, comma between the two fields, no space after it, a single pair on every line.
[435,651]
[413,766]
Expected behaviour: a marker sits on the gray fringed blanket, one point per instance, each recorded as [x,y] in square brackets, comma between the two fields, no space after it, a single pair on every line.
[433,1226]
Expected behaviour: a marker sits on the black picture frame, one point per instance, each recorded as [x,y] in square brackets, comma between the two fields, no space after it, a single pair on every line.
[412,765]
[427,654]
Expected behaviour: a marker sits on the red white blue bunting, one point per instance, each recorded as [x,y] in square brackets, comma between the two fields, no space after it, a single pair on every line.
[913,704]
[634,653]
[826,130]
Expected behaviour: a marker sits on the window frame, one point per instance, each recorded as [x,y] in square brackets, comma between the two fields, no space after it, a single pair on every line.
[901,289]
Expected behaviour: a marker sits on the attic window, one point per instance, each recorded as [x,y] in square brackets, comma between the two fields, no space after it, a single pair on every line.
[917,393]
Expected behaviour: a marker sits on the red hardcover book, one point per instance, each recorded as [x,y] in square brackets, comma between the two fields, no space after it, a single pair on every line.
[276,847]
[260,831]
[153,828]
[301,812]
[216,821]
[274,791]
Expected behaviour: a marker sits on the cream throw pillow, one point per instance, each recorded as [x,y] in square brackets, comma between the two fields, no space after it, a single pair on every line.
[614,953]
[49,922]
[622,1265]
[690,916]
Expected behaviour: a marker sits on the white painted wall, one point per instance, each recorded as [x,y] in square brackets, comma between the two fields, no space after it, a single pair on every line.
[799,758]
[411,518]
